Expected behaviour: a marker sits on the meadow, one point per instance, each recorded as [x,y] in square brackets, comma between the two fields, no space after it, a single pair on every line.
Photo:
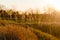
[29,26]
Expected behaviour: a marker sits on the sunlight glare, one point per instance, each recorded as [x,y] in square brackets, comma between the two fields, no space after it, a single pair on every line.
[26,4]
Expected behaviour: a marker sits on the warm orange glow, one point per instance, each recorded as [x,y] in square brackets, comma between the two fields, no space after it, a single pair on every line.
[26,4]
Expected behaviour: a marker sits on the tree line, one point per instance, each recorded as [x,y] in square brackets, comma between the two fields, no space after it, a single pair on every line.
[26,17]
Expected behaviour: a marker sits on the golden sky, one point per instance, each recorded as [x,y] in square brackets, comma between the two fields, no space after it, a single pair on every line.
[26,4]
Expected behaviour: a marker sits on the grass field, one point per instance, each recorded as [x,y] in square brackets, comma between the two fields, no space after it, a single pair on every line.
[10,30]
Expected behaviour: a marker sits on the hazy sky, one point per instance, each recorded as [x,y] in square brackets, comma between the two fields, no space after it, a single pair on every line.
[26,4]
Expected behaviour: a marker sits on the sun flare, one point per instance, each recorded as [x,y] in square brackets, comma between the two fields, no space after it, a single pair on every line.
[55,3]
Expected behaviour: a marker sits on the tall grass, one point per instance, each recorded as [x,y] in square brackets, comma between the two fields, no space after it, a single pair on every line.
[42,35]
[15,32]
